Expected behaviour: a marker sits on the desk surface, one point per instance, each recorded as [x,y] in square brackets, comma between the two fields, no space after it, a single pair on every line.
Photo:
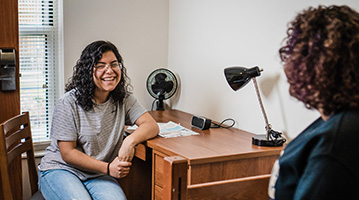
[213,145]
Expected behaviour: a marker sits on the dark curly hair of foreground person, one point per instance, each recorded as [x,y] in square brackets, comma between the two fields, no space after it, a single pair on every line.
[82,78]
[321,58]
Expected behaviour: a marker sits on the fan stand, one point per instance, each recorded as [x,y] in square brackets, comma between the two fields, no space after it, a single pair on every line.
[160,105]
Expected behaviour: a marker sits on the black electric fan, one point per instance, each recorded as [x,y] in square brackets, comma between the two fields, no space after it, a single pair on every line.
[161,84]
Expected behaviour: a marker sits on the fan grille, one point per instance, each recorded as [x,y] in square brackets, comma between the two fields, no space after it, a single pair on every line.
[162,82]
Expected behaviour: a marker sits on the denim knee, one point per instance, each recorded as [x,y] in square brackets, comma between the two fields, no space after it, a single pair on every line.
[61,184]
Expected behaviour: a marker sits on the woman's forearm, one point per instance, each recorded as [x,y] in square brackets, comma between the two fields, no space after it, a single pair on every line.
[78,159]
[147,129]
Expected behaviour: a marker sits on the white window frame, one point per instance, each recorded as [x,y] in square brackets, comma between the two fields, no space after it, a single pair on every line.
[40,146]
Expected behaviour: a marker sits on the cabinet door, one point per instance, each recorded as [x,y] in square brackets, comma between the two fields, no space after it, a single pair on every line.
[10,100]
[9,39]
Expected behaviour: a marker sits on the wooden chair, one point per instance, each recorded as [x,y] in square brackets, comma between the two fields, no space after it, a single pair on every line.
[15,139]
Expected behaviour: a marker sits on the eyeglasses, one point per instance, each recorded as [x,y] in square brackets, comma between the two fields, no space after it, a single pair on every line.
[103,67]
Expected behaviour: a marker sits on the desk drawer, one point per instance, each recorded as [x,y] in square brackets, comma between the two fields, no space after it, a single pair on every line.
[158,170]
[157,178]
[158,192]
[218,171]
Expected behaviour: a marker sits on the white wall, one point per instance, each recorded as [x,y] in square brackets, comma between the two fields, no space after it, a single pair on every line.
[205,36]
[138,28]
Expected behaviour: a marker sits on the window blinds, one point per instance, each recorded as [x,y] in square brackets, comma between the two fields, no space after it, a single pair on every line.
[38,43]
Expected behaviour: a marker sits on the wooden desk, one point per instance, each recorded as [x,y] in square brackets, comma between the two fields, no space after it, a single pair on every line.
[216,154]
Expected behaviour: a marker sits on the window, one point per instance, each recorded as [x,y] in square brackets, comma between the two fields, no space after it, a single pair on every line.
[39,43]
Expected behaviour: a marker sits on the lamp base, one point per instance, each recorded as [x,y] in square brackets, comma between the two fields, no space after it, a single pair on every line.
[261,140]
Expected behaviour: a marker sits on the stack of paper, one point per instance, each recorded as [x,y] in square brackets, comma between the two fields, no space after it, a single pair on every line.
[171,129]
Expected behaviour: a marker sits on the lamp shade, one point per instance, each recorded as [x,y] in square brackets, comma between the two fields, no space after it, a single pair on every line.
[238,77]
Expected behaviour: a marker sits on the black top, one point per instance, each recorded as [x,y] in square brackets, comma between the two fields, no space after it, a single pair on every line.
[322,162]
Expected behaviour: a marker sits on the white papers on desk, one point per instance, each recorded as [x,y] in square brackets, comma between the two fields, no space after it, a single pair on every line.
[171,129]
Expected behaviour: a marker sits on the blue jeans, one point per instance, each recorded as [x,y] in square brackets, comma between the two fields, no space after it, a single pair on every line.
[62,184]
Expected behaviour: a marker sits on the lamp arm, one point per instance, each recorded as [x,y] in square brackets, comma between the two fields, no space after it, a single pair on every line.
[268,126]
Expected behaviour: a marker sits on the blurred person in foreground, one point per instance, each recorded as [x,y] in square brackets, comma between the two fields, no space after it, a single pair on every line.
[321,62]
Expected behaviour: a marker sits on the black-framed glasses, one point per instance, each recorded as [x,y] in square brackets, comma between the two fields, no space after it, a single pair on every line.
[100,67]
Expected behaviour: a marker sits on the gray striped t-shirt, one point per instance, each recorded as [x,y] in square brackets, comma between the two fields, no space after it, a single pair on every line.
[98,132]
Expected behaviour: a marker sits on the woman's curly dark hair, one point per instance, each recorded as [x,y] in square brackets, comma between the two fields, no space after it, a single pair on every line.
[82,78]
[321,58]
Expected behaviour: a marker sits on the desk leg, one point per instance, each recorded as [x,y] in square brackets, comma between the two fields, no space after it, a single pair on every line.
[175,178]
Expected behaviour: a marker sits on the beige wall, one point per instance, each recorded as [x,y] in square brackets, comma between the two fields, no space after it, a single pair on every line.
[205,36]
[139,28]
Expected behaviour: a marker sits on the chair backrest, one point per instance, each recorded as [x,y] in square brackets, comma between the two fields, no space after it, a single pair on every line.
[15,139]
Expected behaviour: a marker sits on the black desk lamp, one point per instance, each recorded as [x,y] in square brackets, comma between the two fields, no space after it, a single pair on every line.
[238,77]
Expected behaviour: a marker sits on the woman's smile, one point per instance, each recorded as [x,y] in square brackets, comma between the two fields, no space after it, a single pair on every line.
[106,75]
